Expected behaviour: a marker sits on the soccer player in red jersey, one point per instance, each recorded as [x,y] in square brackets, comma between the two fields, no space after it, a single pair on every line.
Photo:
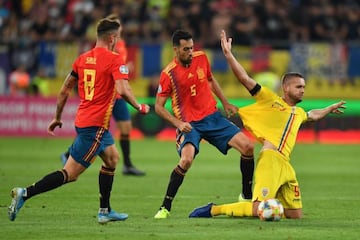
[121,115]
[100,75]
[189,82]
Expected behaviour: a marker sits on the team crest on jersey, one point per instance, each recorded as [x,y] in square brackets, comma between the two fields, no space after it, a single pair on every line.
[201,74]
[265,191]
[124,69]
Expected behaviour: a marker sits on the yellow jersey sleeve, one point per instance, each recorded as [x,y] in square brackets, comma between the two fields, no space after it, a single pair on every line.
[271,118]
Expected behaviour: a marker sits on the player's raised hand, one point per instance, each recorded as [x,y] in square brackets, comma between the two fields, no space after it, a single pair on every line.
[225,43]
[52,125]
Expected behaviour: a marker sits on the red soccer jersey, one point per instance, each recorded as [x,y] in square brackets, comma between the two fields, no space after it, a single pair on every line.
[97,70]
[189,88]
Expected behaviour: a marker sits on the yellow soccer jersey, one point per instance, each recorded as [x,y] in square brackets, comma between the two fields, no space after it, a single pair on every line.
[273,119]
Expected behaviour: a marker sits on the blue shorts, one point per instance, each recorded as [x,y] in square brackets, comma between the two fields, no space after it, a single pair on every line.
[89,143]
[215,129]
[120,111]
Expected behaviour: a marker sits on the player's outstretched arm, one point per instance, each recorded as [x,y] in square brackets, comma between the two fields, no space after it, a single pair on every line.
[230,109]
[238,70]
[63,95]
[166,115]
[124,89]
[316,114]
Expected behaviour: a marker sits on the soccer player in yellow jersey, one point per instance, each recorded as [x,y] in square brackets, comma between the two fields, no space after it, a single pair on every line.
[275,122]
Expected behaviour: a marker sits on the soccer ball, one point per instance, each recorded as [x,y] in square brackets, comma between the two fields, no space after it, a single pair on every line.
[270,210]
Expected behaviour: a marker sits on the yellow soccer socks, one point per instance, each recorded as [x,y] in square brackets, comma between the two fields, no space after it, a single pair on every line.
[238,209]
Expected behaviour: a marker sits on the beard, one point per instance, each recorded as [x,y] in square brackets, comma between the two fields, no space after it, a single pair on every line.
[295,99]
[186,62]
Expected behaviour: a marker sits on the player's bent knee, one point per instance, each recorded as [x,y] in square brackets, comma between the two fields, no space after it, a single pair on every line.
[71,178]
[185,163]
[248,148]
[111,161]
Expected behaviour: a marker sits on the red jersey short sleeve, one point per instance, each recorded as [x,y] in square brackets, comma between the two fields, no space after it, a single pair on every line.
[97,70]
[189,89]
[121,49]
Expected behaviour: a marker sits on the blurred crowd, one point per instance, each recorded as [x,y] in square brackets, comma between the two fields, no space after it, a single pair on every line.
[26,23]
[248,21]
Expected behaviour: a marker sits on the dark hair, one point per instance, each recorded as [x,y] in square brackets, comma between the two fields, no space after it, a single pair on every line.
[106,26]
[290,75]
[180,34]
[113,17]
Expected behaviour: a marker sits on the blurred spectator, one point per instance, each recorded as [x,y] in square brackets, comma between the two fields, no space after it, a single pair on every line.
[298,20]
[78,17]
[40,28]
[133,18]
[24,24]
[244,25]
[19,81]
[177,20]
[274,20]
[324,24]
[196,18]
[350,27]
[221,20]
[23,51]
[40,84]
[10,29]
[155,23]
[4,14]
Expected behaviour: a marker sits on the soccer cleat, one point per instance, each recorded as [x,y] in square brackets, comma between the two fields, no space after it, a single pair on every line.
[111,216]
[16,203]
[162,213]
[64,158]
[204,211]
[243,199]
[132,171]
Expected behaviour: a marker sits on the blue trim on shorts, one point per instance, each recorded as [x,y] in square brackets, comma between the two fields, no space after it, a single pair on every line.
[120,111]
[215,128]
[89,143]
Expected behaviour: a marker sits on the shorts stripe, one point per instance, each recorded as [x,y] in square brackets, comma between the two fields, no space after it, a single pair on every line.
[90,154]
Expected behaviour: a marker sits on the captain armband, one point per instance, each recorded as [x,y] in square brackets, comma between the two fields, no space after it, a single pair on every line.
[74,74]
[255,90]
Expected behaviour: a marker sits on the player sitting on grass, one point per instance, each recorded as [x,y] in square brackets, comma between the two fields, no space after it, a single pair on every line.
[275,122]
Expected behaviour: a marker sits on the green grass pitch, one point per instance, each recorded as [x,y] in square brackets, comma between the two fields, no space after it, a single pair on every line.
[329,177]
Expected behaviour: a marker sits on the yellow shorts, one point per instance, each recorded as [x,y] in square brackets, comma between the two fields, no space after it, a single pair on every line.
[276,178]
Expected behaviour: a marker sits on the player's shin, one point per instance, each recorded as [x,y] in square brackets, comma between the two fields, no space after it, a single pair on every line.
[47,183]
[176,179]
[106,178]
[247,171]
